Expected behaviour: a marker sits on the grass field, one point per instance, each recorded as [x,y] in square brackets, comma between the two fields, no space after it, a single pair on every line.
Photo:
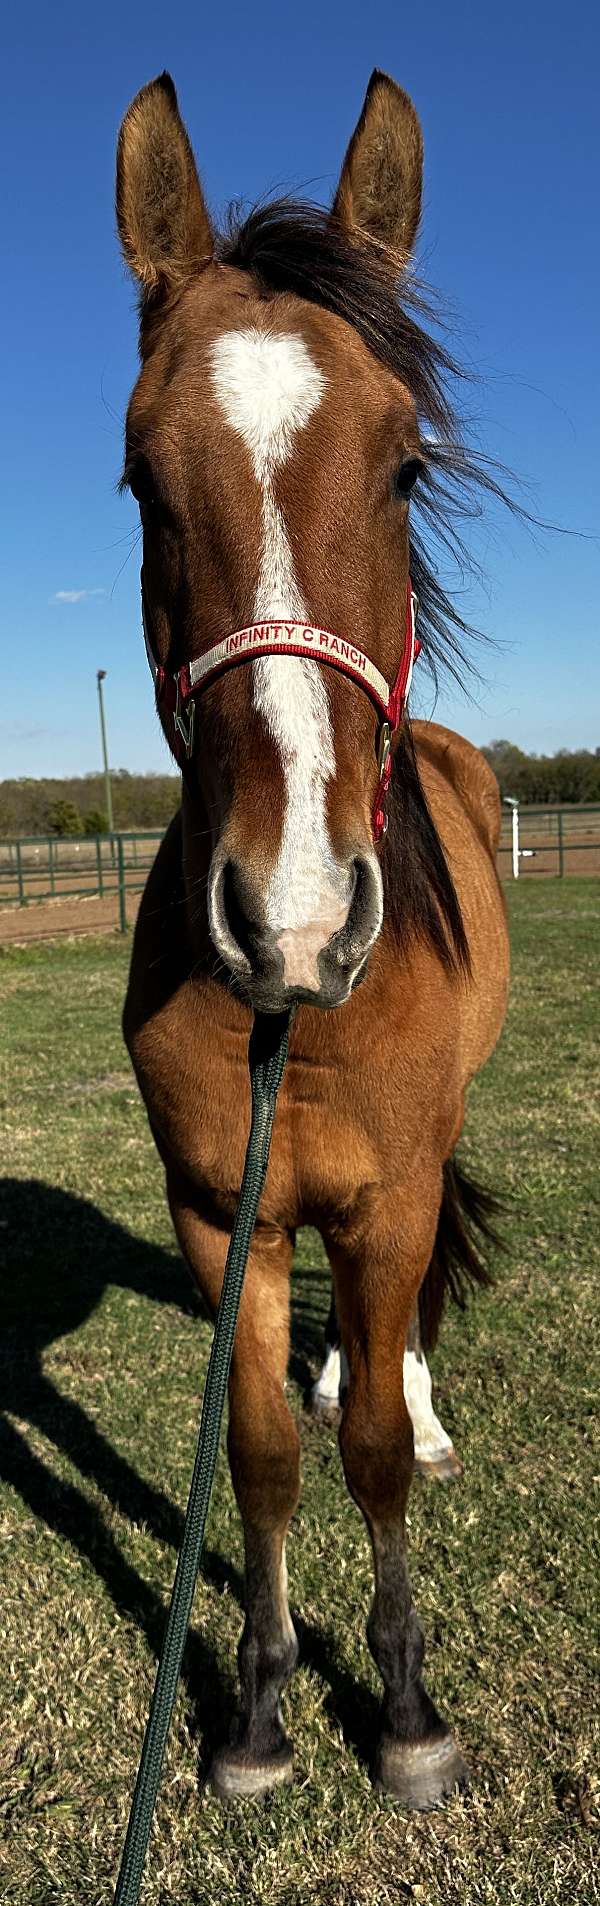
[103,1357]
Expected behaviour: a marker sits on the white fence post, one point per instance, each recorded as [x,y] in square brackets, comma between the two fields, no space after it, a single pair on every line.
[510,802]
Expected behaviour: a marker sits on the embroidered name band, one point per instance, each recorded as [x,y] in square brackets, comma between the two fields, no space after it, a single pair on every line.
[287,638]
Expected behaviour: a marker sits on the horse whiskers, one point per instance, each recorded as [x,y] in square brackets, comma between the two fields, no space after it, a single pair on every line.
[214,970]
[136,537]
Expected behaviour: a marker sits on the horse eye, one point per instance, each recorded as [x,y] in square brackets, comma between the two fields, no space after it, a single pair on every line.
[140,481]
[406,476]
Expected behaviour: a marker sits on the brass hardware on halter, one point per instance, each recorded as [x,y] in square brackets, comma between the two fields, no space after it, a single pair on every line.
[184,722]
[385,745]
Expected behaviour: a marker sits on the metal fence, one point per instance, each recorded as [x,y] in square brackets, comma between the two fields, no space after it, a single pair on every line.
[551,840]
[43,867]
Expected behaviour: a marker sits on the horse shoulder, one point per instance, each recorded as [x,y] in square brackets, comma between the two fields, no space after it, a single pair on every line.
[446,757]
[156,950]
[464,800]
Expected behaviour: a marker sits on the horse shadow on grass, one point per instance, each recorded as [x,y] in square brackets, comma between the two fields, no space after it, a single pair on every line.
[58,1253]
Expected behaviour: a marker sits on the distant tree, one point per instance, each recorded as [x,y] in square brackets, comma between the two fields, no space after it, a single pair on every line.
[64,818]
[569,777]
[139,800]
[95,822]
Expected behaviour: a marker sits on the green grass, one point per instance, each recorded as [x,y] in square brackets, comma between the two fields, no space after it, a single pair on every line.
[103,1360]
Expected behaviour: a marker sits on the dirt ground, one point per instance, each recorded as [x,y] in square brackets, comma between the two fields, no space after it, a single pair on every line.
[54,919]
[582,855]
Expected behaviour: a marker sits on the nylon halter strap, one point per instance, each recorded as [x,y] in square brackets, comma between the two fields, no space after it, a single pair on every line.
[177,692]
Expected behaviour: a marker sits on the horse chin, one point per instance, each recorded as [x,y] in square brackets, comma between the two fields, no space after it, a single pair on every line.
[268,995]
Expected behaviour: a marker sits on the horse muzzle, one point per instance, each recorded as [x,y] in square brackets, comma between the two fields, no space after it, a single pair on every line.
[317,961]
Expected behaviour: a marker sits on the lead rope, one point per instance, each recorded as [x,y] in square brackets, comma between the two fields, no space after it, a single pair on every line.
[266,1057]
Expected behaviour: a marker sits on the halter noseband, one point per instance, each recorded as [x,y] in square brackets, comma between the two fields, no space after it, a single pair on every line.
[177,692]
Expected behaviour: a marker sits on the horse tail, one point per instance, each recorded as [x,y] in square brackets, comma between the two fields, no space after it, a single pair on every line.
[467,1215]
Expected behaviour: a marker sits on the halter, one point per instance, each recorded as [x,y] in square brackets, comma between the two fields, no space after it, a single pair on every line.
[177,692]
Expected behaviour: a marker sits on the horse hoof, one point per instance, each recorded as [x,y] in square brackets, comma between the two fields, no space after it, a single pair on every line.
[442,1466]
[234,1775]
[423,1774]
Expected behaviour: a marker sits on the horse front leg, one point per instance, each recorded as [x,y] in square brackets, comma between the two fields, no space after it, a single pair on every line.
[376,1284]
[264,1457]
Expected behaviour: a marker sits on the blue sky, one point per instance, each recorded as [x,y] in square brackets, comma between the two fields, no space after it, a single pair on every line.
[508,102]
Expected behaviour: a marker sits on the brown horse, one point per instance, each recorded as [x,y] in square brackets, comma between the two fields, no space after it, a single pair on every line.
[289,401]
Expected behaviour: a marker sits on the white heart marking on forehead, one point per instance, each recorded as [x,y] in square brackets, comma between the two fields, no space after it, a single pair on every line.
[268,387]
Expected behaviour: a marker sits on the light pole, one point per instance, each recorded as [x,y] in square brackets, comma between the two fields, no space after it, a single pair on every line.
[509,801]
[101,677]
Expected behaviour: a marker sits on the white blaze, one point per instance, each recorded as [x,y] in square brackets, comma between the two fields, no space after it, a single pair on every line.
[268,387]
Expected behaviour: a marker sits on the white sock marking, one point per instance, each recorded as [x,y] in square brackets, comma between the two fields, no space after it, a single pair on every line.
[429,1434]
[286,1619]
[268,387]
[327,1386]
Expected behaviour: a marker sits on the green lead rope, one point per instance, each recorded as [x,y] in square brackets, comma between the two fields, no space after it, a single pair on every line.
[267,1056]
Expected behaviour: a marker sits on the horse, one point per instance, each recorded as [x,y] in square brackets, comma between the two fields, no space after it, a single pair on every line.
[330,856]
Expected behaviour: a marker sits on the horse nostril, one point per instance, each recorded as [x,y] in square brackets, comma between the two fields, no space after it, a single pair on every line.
[365,892]
[364,913]
[241,912]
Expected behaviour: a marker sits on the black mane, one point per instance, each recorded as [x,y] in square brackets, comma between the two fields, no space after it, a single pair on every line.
[300,248]
[293,247]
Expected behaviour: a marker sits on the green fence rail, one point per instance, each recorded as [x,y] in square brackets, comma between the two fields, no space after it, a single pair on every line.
[34,868]
[39,867]
[552,840]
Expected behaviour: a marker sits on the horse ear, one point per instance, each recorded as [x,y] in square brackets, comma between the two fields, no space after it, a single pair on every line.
[382,175]
[163,223]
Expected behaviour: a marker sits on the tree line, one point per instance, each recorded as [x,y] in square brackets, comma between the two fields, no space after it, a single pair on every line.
[77,805]
[545,780]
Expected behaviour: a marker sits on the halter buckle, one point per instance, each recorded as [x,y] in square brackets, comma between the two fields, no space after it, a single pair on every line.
[184,720]
[385,748]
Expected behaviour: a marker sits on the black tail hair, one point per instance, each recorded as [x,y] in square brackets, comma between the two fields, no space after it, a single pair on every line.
[466,1211]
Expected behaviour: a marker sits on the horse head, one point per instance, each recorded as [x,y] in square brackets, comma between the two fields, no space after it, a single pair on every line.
[273,446]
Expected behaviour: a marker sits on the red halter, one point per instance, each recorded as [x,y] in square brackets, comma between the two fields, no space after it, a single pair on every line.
[178,691]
